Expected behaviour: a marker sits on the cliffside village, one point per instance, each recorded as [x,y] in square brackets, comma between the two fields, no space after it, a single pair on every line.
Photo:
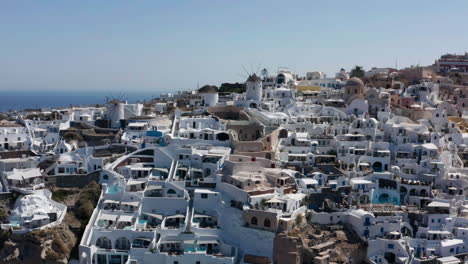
[214,176]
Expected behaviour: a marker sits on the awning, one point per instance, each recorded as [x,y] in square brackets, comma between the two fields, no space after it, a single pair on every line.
[297,154]
[170,240]
[135,203]
[154,187]
[158,216]
[111,201]
[274,200]
[125,218]
[136,124]
[438,204]
[161,169]
[135,182]
[39,217]
[143,239]
[108,217]
[207,242]
[201,216]
[360,181]
[175,216]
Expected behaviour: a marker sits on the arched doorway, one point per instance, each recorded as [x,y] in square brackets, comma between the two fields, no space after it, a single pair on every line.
[122,243]
[390,257]
[254,221]
[403,193]
[104,242]
[283,133]
[384,198]
[222,136]
[377,166]
[423,193]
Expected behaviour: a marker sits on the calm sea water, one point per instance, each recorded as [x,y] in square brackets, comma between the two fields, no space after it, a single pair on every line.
[18,100]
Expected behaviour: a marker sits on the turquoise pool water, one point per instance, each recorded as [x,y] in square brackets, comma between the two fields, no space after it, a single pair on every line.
[189,248]
[113,189]
[14,223]
[201,248]
[142,221]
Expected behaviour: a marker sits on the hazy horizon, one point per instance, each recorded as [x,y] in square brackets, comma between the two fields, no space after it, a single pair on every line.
[175,45]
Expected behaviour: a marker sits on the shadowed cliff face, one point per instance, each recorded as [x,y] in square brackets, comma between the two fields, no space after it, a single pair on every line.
[306,241]
[53,245]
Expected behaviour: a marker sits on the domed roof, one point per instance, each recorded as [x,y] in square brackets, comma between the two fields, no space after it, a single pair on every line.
[253,78]
[354,82]
[208,89]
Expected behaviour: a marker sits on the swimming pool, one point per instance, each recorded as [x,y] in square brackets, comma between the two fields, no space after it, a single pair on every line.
[14,223]
[114,189]
[189,248]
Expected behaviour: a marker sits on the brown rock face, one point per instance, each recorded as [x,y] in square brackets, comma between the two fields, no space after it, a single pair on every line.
[318,244]
[52,245]
[55,245]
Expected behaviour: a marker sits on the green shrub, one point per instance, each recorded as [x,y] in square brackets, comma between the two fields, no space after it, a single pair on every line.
[59,195]
[299,219]
[87,201]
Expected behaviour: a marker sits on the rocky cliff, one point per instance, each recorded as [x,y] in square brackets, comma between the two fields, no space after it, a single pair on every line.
[52,245]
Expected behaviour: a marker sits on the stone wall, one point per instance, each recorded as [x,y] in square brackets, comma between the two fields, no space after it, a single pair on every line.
[72,181]
[286,249]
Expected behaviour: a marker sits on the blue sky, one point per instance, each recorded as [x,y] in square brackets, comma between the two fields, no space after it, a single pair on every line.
[125,45]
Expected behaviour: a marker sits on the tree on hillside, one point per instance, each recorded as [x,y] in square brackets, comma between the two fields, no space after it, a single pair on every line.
[357,71]
[72,136]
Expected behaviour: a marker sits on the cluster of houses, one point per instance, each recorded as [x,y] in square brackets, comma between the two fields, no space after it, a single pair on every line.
[214,177]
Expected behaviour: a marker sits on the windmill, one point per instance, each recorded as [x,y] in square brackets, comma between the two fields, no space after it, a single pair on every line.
[116,110]
[253,84]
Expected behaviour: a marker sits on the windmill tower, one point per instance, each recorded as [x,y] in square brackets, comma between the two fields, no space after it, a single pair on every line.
[254,88]
[115,112]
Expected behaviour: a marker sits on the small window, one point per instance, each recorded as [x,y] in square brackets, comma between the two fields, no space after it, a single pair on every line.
[204,196]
